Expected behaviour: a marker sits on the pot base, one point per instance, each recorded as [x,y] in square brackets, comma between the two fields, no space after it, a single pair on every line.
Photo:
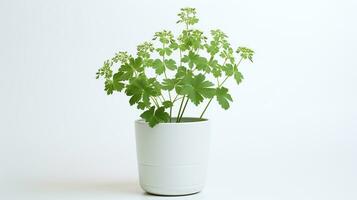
[165,191]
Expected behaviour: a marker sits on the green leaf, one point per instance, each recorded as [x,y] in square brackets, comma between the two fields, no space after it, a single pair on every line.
[228,69]
[145,49]
[188,16]
[190,59]
[174,45]
[127,70]
[117,85]
[227,54]
[153,117]
[212,48]
[168,51]
[108,86]
[215,68]
[213,63]
[202,64]
[164,36]
[238,76]
[181,72]
[159,66]
[149,116]
[167,104]
[142,105]
[216,72]
[192,40]
[193,59]
[122,57]
[164,51]
[183,77]
[113,85]
[197,88]
[105,71]
[223,97]
[141,89]
[136,64]
[135,98]
[170,64]
[161,115]
[169,84]
[245,53]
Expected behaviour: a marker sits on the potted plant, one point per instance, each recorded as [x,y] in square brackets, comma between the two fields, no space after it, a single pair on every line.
[164,76]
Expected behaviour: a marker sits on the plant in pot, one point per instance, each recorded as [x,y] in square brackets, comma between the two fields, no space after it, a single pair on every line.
[162,79]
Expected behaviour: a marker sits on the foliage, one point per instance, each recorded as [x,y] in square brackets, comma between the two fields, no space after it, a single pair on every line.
[184,67]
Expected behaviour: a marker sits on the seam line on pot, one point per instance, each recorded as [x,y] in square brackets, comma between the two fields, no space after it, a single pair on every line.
[173,165]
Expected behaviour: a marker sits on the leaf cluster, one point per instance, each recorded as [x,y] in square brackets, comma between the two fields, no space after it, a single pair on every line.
[189,67]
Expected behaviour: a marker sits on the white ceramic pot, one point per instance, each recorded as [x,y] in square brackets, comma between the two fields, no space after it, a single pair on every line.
[172,157]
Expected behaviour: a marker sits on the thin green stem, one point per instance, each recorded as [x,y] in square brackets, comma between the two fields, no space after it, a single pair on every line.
[177,99]
[160,99]
[163,98]
[179,112]
[157,100]
[205,108]
[153,99]
[239,62]
[169,98]
[225,60]
[183,110]
[220,85]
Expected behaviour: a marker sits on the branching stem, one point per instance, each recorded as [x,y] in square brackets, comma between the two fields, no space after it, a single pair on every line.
[219,85]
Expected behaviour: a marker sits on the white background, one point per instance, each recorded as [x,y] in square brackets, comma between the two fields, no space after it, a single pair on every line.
[290,133]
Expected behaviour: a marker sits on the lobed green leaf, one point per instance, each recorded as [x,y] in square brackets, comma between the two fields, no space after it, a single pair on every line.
[223,97]
[153,117]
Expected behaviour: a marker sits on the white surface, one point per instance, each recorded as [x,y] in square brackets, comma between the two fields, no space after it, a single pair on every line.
[173,157]
[294,116]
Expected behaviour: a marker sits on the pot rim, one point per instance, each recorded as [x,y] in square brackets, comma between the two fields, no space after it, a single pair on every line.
[199,121]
